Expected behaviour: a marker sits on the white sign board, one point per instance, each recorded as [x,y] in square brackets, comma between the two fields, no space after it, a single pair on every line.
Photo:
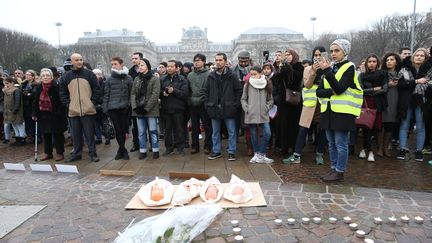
[13,166]
[67,168]
[41,167]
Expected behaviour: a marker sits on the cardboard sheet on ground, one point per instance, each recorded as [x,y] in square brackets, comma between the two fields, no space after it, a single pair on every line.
[257,200]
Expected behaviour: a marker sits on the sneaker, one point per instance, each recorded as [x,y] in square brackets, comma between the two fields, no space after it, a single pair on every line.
[126,156]
[427,151]
[254,159]
[293,159]
[419,156]
[231,157]
[319,160]
[107,142]
[371,157]
[98,141]
[94,158]
[155,155]
[362,154]
[213,156]
[6,141]
[401,154]
[262,159]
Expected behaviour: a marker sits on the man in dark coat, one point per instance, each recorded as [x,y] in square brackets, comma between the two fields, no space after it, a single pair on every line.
[222,93]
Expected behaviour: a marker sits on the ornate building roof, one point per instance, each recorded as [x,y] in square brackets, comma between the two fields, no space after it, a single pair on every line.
[270,31]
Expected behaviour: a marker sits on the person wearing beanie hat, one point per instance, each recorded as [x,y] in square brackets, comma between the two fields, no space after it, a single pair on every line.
[341,99]
[187,67]
[67,65]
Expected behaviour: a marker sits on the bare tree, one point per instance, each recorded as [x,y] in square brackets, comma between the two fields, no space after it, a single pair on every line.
[16,45]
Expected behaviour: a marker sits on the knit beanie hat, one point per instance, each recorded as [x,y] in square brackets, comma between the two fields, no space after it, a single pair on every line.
[344,44]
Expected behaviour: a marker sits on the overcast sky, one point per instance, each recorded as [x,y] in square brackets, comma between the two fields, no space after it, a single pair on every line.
[162,20]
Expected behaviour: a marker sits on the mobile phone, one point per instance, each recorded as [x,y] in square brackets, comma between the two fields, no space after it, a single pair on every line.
[325,56]
[315,60]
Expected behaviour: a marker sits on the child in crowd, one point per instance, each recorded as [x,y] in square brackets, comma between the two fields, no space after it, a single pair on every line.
[256,102]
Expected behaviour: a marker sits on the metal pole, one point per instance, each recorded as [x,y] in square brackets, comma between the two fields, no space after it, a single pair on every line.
[313,27]
[413,20]
[58,29]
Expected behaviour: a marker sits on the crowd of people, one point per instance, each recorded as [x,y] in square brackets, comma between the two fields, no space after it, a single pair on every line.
[279,104]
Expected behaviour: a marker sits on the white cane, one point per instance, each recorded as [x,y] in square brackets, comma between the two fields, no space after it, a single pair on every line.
[36,141]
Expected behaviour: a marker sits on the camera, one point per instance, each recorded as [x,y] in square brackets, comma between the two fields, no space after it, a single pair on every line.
[266,55]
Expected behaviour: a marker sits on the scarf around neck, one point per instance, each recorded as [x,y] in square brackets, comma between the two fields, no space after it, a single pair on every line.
[258,83]
[44,99]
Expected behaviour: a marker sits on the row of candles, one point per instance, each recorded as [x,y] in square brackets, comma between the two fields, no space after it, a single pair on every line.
[317,220]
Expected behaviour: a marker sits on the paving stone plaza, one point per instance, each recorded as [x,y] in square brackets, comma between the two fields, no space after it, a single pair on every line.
[88,207]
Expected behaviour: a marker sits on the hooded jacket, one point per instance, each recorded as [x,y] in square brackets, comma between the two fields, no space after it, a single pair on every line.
[80,92]
[117,90]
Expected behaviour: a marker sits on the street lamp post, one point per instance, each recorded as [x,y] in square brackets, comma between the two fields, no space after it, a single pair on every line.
[58,24]
[413,20]
[313,27]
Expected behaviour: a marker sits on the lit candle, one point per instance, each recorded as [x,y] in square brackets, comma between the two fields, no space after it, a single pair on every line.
[332,220]
[367,240]
[238,239]
[419,220]
[234,223]
[392,219]
[291,221]
[317,220]
[405,219]
[305,220]
[236,230]
[347,219]
[378,220]
[278,222]
[360,233]
[353,226]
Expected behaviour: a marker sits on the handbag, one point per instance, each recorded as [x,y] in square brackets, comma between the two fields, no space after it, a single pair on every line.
[366,119]
[291,97]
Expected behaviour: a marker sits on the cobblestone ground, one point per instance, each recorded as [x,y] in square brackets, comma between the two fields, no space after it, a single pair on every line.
[91,209]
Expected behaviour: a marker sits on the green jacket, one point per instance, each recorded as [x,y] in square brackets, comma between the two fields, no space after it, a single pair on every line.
[13,109]
[151,106]
[197,80]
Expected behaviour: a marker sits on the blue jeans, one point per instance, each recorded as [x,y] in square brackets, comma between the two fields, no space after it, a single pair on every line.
[232,135]
[338,149]
[259,144]
[150,123]
[420,127]
[301,140]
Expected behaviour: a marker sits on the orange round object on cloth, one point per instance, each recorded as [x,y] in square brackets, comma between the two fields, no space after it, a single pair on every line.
[157,193]
[211,192]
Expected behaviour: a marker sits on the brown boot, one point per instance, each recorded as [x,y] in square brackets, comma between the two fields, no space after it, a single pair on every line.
[380,143]
[386,141]
[333,177]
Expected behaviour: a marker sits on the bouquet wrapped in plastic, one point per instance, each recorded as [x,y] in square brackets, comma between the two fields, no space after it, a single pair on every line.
[175,225]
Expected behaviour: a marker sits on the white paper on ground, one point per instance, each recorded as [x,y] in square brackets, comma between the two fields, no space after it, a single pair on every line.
[273,112]
[13,166]
[67,168]
[41,167]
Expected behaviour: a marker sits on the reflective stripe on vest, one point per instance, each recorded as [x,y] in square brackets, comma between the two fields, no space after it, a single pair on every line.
[350,101]
[309,96]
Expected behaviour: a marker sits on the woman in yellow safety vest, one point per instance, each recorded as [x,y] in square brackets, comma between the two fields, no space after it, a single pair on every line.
[342,98]
[310,111]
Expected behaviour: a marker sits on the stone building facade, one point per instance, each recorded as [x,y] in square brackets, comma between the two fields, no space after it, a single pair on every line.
[194,40]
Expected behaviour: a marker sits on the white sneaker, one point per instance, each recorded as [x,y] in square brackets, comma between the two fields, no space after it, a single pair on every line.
[200,136]
[254,159]
[262,159]
[371,157]
[362,154]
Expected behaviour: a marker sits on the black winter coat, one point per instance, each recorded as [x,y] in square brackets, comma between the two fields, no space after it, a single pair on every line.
[177,101]
[56,120]
[117,91]
[222,95]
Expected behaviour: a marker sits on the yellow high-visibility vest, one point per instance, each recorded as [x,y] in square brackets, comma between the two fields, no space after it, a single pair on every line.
[309,96]
[350,101]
